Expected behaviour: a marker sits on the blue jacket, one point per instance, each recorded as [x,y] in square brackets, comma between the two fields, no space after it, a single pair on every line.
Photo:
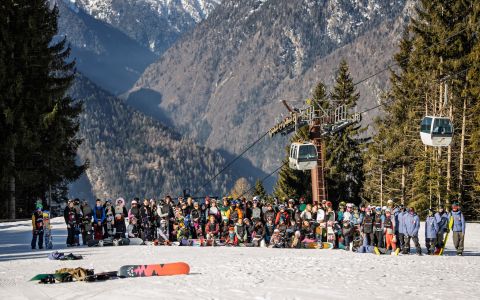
[401,222]
[442,221]
[458,221]
[411,224]
[431,228]
[101,210]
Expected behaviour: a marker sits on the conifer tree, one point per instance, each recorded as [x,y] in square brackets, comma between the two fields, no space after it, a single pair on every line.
[40,120]
[344,160]
[260,190]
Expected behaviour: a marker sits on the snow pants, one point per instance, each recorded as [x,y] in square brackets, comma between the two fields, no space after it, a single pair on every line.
[71,235]
[390,244]
[368,239]
[440,237]
[379,239]
[458,238]
[406,248]
[37,234]
[430,245]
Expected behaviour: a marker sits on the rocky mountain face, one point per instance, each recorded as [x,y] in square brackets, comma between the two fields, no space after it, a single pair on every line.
[131,154]
[222,82]
[155,24]
[107,56]
[115,40]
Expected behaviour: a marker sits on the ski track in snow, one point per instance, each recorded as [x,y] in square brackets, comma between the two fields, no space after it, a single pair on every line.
[241,273]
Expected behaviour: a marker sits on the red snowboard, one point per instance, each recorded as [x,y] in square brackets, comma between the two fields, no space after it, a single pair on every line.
[178,268]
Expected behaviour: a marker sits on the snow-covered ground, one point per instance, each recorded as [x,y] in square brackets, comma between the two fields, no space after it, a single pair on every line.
[241,273]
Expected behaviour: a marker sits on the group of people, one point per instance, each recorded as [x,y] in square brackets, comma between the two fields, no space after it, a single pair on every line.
[242,222]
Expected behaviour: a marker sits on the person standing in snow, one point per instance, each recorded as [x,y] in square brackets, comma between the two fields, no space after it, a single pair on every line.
[431,231]
[441,218]
[37,224]
[389,228]
[410,230]
[458,228]
[72,219]
[367,228]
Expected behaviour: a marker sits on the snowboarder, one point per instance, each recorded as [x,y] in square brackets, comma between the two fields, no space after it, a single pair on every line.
[442,221]
[458,228]
[367,228]
[133,230]
[134,209]
[378,227]
[347,233]
[258,234]
[276,241]
[410,230]
[37,224]
[120,214]
[72,219]
[98,219]
[240,233]
[86,228]
[431,231]
[212,229]
[389,227]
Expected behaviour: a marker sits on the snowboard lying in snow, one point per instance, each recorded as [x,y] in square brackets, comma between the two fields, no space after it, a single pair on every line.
[178,268]
[168,269]
[317,245]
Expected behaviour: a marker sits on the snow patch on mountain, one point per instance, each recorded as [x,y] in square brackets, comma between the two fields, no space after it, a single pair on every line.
[105,9]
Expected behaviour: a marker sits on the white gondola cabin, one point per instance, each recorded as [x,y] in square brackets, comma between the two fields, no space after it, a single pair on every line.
[436,131]
[303,156]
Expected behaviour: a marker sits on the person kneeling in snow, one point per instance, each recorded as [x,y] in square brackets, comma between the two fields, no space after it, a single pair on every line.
[133,230]
[276,241]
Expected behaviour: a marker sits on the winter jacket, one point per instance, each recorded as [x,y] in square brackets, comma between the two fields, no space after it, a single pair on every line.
[269,214]
[442,221]
[401,222]
[280,215]
[367,225]
[347,231]
[258,231]
[71,216]
[223,211]
[256,213]
[396,216]
[431,228]
[241,233]
[87,212]
[458,222]
[234,214]
[347,216]
[37,220]
[378,222]
[411,224]
[212,228]
[356,219]
[134,212]
[389,225]
[320,216]
[306,215]
[340,216]
[132,231]
[98,214]
[214,211]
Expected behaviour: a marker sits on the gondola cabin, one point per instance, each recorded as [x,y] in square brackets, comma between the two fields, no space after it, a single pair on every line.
[303,156]
[436,131]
